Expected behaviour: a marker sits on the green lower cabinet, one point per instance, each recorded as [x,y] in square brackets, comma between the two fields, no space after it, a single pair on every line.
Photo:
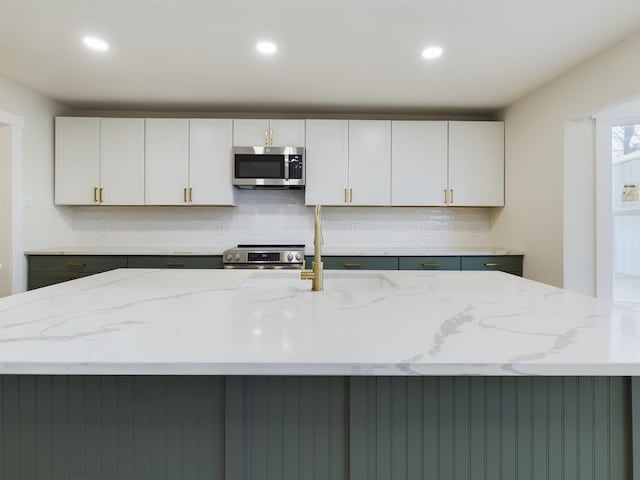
[175,261]
[324,428]
[356,263]
[429,263]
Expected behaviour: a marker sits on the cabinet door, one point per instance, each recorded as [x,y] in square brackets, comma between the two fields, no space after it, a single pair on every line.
[476,163]
[77,162]
[210,162]
[418,163]
[327,160]
[250,132]
[287,133]
[370,162]
[166,161]
[122,161]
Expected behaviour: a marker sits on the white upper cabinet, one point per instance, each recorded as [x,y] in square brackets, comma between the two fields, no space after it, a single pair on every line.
[327,162]
[210,162]
[77,161]
[122,161]
[166,161]
[348,162]
[287,133]
[476,164]
[99,161]
[419,163]
[252,132]
[369,162]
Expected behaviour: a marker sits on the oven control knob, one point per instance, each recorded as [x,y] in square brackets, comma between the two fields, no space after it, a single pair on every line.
[298,257]
[229,257]
[290,257]
[237,257]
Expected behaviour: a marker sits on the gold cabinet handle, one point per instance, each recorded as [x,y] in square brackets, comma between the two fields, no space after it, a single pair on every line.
[266,137]
[76,265]
[350,195]
[175,264]
[491,264]
[101,195]
[431,264]
[346,195]
[270,137]
[351,265]
[451,195]
[190,194]
[184,195]
[444,196]
[95,194]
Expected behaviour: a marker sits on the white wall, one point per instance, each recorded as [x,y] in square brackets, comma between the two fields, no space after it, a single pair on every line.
[279,217]
[43,222]
[534,147]
[5,210]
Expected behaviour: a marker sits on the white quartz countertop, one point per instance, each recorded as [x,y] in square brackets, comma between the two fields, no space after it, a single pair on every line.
[226,322]
[326,250]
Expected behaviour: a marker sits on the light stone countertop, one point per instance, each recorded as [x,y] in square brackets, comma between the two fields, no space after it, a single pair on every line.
[326,250]
[226,322]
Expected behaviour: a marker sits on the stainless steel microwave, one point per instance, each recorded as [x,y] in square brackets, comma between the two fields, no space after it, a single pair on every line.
[268,167]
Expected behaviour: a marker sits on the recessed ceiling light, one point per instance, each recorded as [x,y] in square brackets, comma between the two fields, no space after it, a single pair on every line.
[268,48]
[431,53]
[95,43]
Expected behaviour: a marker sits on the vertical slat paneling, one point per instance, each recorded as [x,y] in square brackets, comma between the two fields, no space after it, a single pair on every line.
[446,445]
[412,428]
[461,430]
[555,443]
[508,427]
[477,429]
[524,428]
[265,440]
[570,428]
[540,427]
[493,438]
[619,414]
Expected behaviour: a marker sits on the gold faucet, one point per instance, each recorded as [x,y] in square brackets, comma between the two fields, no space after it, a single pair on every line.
[315,274]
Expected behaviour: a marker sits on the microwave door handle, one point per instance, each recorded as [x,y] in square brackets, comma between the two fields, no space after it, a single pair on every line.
[286,167]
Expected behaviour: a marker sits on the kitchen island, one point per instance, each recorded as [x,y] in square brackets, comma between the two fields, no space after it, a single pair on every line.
[248,374]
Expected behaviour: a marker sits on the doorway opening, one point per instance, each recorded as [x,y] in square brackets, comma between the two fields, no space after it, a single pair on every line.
[6,223]
[625,175]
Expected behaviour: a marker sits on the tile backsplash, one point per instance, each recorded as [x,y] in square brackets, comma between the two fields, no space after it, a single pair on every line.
[279,217]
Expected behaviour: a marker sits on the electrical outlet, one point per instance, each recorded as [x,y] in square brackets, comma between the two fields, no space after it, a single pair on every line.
[355,229]
[104,229]
[27,203]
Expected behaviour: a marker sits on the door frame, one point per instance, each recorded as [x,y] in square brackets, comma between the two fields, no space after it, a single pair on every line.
[18,261]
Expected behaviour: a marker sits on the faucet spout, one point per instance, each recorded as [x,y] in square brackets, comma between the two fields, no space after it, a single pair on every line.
[315,274]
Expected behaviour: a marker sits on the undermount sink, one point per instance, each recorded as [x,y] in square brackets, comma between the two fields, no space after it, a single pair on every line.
[331,281]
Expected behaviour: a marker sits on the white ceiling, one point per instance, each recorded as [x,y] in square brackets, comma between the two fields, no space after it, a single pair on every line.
[334,55]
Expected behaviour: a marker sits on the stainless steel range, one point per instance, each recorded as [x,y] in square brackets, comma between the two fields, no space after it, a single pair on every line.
[264,256]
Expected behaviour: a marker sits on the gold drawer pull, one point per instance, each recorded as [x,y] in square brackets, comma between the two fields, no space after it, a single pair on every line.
[431,264]
[76,265]
[175,264]
[444,198]
[184,195]
[190,194]
[351,265]
[101,195]
[451,195]
[95,194]
[491,264]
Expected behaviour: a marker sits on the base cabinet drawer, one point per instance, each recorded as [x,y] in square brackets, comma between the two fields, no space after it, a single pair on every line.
[175,261]
[504,263]
[429,263]
[356,263]
[76,263]
[44,279]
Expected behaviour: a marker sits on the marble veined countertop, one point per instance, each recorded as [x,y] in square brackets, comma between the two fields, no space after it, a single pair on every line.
[326,250]
[132,321]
